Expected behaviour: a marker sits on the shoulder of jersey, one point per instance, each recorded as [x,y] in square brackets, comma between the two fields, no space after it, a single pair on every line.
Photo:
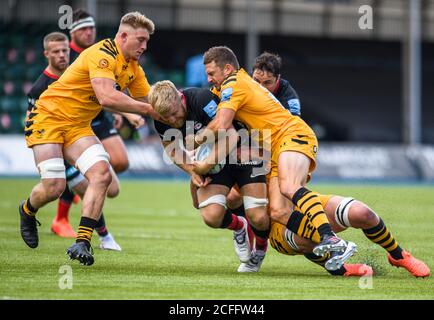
[108,46]
[230,80]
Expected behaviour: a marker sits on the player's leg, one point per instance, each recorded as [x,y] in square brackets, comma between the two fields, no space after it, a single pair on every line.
[293,168]
[212,205]
[49,160]
[60,225]
[286,242]
[115,147]
[107,241]
[255,204]
[90,157]
[348,212]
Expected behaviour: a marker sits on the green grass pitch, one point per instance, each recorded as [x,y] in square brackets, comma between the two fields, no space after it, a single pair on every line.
[168,252]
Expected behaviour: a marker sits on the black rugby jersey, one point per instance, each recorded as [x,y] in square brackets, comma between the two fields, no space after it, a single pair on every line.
[40,85]
[288,97]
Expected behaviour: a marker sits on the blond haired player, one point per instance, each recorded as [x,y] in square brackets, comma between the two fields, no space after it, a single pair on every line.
[293,144]
[58,127]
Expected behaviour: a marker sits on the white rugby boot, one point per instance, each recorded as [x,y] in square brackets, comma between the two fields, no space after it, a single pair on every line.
[254,263]
[109,243]
[242,242]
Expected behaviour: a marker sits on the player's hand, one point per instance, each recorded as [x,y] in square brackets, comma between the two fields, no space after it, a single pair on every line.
[118,121]
[201,168]
[199,181]
[136,120]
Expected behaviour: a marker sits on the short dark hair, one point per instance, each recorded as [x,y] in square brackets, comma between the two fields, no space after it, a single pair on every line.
[80,14]
[221,55]
[268,62]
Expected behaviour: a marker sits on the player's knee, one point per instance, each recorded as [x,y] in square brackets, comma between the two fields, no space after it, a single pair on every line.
[54,188]
[120,165]
[259,221]
[362,215]
[212,220]
[113,190]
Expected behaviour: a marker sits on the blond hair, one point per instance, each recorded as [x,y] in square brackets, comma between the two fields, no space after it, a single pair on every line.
[162,96]
[137,20]
[54,37]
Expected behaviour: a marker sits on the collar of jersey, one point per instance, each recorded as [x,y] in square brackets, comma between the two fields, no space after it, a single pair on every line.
[120,53]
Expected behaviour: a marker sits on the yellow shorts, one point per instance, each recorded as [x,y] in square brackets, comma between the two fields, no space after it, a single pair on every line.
[42,128]
[277,233]
[306,144]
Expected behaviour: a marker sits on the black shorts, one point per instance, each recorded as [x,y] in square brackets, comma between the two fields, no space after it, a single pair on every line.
[103,127]
[240,174]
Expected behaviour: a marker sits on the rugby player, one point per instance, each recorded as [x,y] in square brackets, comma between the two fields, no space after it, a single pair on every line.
[57,53]
[293,144]
[190,110]
[58,126]
[83,34]
[344,213]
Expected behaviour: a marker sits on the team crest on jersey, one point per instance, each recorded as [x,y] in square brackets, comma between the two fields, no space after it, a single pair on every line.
[226,94]
[197,126]
[211,109]
[103,63]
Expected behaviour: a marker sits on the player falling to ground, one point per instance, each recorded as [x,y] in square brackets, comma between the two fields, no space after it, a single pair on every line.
[58,127]
[189,111]
[83,33]
[293,144]
[345,213]
[57,53]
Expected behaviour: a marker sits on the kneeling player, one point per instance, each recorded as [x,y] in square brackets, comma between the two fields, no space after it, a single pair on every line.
[189,111]
[342,214]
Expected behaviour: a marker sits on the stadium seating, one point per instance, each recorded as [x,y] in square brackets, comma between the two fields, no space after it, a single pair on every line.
[22,61]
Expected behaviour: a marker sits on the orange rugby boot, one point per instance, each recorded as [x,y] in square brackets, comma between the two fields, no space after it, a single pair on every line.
[63,229]
[357,270]
[415,266]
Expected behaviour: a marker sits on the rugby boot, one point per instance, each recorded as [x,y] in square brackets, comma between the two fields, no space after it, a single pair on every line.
[242,242]
[109,243]
[338,259]
[28,229]
[80,251]
[62,228]
[330,244]
[415,266]
[254,263]
[357,270]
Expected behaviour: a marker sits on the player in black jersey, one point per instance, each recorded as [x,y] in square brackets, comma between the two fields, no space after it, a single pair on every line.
[190,110]
[266,71]
[57,53]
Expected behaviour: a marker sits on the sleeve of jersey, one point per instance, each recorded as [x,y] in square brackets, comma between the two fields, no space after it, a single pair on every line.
[293,102]
[101,65]
[140,86]
[230,97]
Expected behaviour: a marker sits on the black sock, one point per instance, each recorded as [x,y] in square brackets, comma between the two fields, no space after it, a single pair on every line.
[239,211]
[100,226]
[67,195]
[227,219]
[85,230]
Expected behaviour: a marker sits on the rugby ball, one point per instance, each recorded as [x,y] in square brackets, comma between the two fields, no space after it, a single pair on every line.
[203,152]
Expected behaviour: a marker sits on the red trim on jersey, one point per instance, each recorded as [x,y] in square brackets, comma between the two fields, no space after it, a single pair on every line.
[75,48]
[50,75]
[278,85]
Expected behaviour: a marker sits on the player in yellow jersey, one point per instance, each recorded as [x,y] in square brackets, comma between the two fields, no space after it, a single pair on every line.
[58,127]
[292,144]
[343,213]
